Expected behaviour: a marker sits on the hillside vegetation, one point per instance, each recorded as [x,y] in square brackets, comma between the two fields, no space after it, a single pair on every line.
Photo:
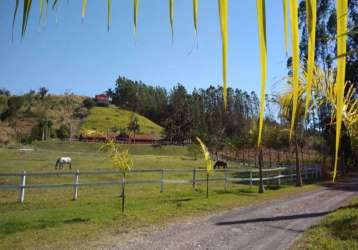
[37,115]
[108,118]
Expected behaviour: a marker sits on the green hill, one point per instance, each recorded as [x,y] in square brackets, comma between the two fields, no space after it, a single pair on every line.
[105,118]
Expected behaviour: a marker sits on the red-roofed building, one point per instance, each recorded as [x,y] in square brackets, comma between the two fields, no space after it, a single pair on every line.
[102,100]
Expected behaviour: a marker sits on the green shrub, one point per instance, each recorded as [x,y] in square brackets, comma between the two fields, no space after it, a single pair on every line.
[63,132]
[89,103]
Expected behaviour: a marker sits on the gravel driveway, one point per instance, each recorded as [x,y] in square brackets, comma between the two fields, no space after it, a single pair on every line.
[272,225]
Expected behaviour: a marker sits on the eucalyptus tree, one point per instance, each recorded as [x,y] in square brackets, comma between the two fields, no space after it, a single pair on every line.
[133,126]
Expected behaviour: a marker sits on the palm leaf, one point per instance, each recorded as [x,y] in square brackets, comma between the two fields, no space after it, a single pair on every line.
[41,3]
[311,7]
[342,12]
[208,161]
[135,14]
[14,18]
[295,60]
[84,6]
[171,17]
[261,21]
[223,14]
[46,9]
[195,15]
[284,5]
[55,2]
[25,16]
[109,17]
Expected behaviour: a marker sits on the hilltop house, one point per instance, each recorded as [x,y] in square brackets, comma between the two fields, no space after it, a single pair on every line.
[102,100]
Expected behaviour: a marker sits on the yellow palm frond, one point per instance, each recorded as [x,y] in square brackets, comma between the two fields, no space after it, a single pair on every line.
[135,14]
[223,15]
[311,7]
[295,59]
[171,17]
[261,21]
[84,6]
[109,17]
[195,15]
[284,7]
[342,12]
[208,161]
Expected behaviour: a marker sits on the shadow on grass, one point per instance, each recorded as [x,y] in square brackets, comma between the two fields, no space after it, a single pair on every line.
[249,191]
[17,226]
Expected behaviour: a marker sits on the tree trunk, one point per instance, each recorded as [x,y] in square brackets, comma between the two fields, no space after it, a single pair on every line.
[243,156]
[207,184]
[302,156]
[270,157]
[298,168]
[288,157]
[261,163]
[343,170]
[123,189]
[278,156]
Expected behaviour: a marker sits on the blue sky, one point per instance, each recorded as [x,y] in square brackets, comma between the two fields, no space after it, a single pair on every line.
[68,54]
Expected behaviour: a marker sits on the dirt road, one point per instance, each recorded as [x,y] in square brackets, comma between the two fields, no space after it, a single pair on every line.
[272,225]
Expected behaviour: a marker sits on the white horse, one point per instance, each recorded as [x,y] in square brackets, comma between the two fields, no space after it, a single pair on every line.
[61,161]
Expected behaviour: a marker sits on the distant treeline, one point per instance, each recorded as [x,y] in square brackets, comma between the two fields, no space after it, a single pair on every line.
[185,115]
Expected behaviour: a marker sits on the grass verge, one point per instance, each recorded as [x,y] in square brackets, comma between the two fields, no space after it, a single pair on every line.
[338,230]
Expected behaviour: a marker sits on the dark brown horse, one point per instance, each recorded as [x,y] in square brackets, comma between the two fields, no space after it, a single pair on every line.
[220,164]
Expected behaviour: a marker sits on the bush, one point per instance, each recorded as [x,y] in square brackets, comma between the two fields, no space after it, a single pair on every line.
[80,113]
[63,132]
[194,151]
[26,139]
[89,103]
[36,132]
[3,104]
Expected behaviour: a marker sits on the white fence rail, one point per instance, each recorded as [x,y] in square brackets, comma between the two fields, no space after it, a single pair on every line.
[313,172]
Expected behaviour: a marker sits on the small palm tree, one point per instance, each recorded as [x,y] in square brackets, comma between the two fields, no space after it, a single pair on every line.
[285,101]
[121,159]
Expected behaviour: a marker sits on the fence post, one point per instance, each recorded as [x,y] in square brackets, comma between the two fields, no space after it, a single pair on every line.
[225,176]
[162,181]
[306,173]
[75,190]
[250,177]
[279,177]
[292,175]
[22,187]
[194,178]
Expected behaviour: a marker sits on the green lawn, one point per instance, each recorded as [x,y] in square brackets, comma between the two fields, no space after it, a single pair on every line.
[338,230]
[103,118]
[49,218]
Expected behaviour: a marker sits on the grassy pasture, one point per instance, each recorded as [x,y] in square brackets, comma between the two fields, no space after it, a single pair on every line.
[103,118]
[50,219]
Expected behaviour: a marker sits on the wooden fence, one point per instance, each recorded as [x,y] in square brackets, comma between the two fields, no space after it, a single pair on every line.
[275,175]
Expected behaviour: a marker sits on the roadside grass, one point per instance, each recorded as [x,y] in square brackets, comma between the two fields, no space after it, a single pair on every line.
[103,118]
[50,219]
[338,230]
